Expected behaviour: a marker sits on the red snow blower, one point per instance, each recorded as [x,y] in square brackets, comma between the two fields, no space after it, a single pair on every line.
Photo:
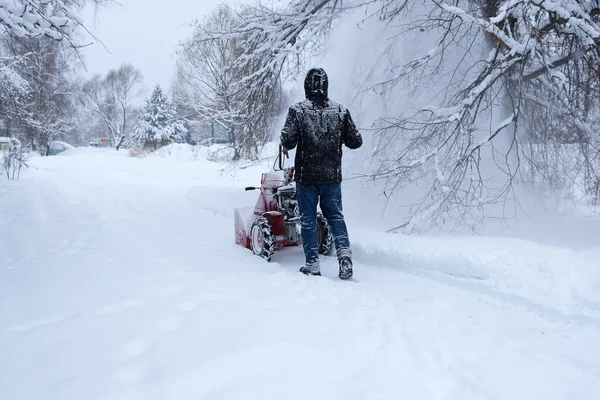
[274,222]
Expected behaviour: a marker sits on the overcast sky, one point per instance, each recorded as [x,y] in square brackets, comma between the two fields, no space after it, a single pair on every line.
[144,33]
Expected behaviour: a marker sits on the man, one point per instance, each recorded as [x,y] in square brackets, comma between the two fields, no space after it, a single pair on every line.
[319,127]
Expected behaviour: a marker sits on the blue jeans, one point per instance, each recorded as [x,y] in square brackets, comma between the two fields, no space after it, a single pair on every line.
[330,197]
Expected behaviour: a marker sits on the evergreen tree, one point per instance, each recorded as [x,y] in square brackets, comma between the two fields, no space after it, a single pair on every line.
[158,124]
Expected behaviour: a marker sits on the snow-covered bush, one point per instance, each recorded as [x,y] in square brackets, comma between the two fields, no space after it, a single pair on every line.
[14,159]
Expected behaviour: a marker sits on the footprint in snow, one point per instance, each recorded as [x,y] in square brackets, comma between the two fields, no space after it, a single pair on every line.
[171,323]
[135,348]
[186,306]
[132,373]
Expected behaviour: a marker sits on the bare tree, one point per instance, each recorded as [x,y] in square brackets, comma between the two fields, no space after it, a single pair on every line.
[45,112]
[94,99]
[110,99]
[124,85]
[485,105]
[210,78]
[13,91]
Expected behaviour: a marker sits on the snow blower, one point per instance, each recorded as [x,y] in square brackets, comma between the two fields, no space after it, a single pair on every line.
[274,222]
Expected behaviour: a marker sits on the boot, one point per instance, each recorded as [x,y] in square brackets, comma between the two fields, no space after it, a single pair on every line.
[306,270]
[345,268]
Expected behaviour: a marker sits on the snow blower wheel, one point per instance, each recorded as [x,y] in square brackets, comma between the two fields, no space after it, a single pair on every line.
[262,240]
[325,235]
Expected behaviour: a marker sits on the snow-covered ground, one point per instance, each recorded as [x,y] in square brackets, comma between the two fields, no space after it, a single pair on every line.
[120,279]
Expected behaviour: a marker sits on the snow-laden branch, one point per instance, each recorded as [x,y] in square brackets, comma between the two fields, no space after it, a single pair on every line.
[13,87]
[56,19]
[502,49]
[531,43]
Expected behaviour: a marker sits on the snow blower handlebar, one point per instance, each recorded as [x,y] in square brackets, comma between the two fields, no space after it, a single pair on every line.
[282,152]
[289,172]
[279,160]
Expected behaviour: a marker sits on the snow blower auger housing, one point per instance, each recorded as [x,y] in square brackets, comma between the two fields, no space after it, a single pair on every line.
[275,220]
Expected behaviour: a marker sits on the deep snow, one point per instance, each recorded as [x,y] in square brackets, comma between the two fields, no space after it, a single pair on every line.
[120,279]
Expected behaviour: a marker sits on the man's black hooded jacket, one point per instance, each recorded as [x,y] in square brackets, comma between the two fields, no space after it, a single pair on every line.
[319,127]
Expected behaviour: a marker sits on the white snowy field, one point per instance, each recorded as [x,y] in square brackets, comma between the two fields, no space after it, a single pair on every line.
[120,279]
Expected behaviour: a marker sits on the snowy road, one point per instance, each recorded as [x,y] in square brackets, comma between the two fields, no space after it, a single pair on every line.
[119,279]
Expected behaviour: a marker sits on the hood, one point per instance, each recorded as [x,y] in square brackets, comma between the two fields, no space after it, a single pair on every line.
[316,84]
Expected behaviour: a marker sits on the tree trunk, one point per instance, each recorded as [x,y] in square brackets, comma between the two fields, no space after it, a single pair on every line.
[120,142]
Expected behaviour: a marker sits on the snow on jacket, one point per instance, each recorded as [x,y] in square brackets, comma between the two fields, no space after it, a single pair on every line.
[319,127]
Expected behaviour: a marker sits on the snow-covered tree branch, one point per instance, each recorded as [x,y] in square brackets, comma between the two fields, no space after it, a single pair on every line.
[530,45]
[13,91]
[218,70]
[464,144]
[56,19]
